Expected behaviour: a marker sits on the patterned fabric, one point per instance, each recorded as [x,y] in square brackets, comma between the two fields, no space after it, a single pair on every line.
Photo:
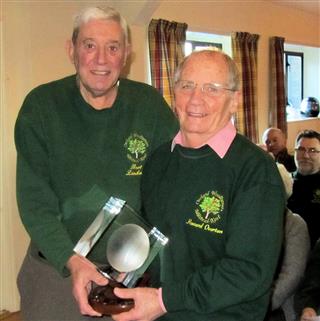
[166,47]
[244,51]
[277,111]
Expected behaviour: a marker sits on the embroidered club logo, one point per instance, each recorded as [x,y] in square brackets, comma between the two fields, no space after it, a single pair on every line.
[316,196]
[137,147]
[209,205]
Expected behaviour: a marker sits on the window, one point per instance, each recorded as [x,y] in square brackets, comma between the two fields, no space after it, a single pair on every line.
[201,40]
[193,45]
[294,78]
[302,77]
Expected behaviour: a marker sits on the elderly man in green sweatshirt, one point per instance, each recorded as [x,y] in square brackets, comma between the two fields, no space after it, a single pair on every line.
[75,141]
[219,199]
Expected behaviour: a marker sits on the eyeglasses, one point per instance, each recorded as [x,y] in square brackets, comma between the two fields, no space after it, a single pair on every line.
[309,151]
[210,89]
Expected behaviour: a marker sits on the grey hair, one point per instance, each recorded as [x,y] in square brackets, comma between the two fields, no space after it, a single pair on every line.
[98,13]
[234,77]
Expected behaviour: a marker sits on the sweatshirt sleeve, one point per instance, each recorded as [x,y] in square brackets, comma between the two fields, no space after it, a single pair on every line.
[308,294]
[38,204]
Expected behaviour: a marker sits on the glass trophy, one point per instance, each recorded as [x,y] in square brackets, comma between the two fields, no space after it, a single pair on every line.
[131,246]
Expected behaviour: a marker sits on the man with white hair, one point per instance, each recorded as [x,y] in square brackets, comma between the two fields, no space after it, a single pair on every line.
[218,198]
[74,143]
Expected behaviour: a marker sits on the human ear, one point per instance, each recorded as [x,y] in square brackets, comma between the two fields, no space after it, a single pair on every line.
[235,102]
[70,50]
[127,54]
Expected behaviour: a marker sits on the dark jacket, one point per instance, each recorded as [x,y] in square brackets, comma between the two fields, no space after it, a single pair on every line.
[308,294]
[287,160]
[305,200]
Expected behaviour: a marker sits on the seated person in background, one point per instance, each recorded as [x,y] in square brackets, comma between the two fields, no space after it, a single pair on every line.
[219,199]
[305,198]
[292,263]
[275,141]
[307,298]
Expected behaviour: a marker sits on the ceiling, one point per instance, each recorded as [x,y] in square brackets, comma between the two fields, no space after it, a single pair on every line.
[310,6]
[136,12]
[140,11]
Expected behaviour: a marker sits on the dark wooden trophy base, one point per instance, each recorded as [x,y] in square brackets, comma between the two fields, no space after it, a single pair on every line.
[103,300]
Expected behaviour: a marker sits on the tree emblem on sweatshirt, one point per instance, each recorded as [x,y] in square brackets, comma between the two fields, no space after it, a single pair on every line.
[316,196]
[136,146]
[209,205]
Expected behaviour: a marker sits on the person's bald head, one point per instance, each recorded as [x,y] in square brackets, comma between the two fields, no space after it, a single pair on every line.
[275,140]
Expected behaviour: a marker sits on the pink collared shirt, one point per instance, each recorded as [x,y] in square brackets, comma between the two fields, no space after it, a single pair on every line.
[220,142]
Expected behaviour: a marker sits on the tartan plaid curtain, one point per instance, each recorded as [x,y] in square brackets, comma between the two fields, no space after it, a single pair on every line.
[277,109]
[166,47]
[244,51]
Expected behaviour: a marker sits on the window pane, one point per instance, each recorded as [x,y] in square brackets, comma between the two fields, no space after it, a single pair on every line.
[187,48]
[294,80]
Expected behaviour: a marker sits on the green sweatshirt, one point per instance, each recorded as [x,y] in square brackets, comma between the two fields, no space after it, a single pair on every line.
[224,220]
[72,158]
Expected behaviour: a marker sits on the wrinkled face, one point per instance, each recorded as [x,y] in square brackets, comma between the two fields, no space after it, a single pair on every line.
[99,56]
[307,162]
[201,115]
[275,142]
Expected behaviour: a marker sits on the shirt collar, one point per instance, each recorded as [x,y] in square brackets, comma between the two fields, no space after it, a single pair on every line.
[220,142]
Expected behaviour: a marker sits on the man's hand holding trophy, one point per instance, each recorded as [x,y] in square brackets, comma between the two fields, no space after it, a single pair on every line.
[132,244]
